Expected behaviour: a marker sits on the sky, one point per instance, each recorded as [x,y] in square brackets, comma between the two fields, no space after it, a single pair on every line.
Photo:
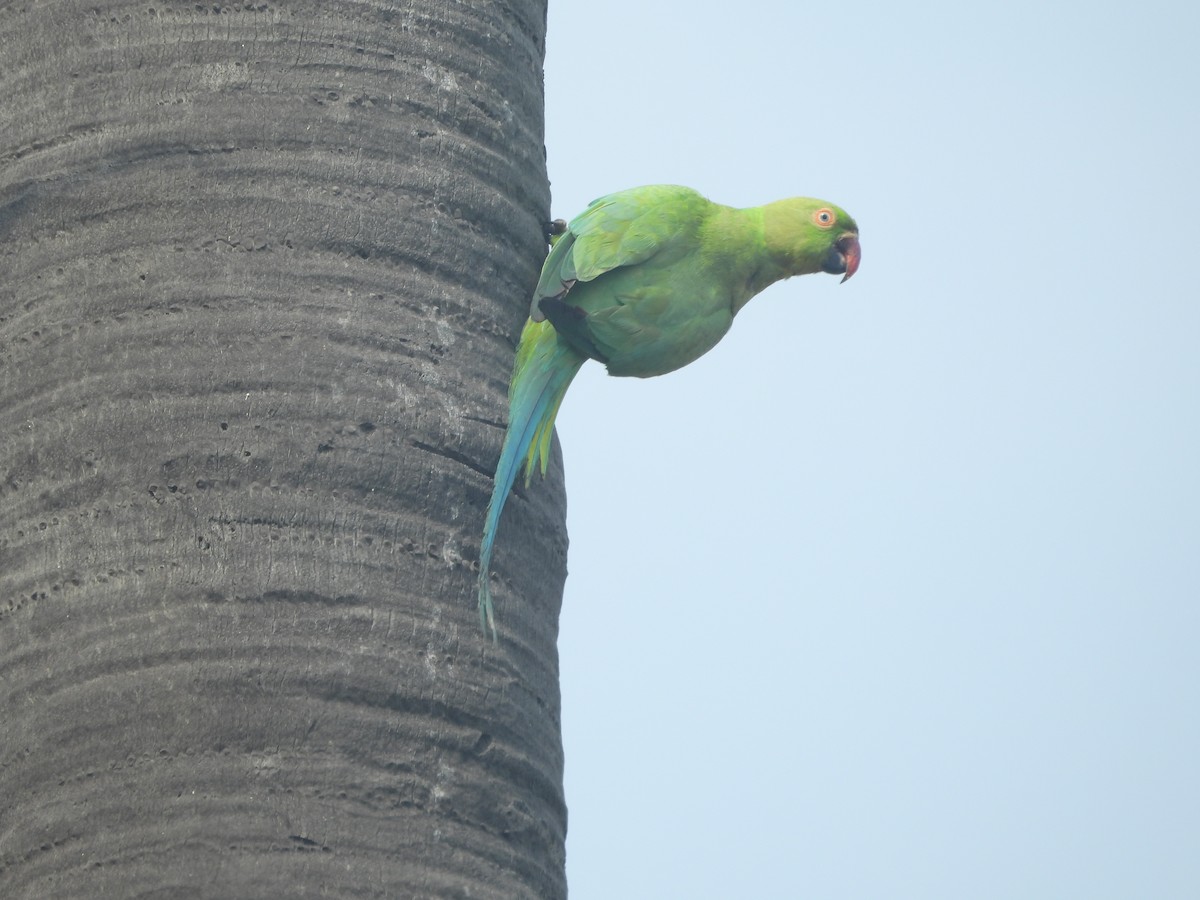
[896,592]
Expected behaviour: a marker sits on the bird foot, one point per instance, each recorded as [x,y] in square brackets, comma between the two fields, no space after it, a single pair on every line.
[554,229]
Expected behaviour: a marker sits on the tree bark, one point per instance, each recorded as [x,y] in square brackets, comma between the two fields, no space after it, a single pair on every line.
[262,270]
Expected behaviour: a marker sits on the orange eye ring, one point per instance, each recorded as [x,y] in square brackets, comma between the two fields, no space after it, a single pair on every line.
[824,217]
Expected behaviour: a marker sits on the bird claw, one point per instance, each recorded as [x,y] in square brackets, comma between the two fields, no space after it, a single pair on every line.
[554,229]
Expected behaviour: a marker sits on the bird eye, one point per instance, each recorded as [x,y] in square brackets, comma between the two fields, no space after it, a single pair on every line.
[824,217]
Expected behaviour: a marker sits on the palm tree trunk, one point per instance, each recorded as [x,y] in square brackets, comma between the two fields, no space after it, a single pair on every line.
[262,268]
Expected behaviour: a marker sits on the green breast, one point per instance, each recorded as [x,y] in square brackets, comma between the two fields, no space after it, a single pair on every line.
[653,319]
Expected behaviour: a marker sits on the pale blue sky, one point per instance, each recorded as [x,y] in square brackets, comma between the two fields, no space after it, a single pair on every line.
[896,593]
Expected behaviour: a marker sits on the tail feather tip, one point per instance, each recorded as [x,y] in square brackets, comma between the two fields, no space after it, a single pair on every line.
[487,619]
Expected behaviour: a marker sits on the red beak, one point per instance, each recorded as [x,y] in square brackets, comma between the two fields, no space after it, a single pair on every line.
[850,248]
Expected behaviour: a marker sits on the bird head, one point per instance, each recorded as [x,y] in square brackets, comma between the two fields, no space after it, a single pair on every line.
[805,235]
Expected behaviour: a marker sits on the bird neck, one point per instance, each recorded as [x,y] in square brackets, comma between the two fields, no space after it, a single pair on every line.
[773,258]
[733,243]
[788,237]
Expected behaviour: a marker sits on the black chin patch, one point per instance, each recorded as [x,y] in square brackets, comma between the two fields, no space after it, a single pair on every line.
[834,262]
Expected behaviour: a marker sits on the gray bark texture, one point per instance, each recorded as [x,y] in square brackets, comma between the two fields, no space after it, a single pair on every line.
[262,270]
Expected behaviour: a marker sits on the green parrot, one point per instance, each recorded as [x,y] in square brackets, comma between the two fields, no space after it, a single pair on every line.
[646,281]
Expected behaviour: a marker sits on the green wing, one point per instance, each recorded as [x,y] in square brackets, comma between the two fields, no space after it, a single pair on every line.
[657,224]
[622,229]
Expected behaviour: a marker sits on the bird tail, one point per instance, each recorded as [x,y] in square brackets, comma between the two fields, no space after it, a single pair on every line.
[543,371]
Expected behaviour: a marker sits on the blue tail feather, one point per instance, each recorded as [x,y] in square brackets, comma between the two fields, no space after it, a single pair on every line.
[544,370]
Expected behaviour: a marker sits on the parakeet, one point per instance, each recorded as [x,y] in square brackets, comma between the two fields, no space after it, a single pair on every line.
[645,281]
